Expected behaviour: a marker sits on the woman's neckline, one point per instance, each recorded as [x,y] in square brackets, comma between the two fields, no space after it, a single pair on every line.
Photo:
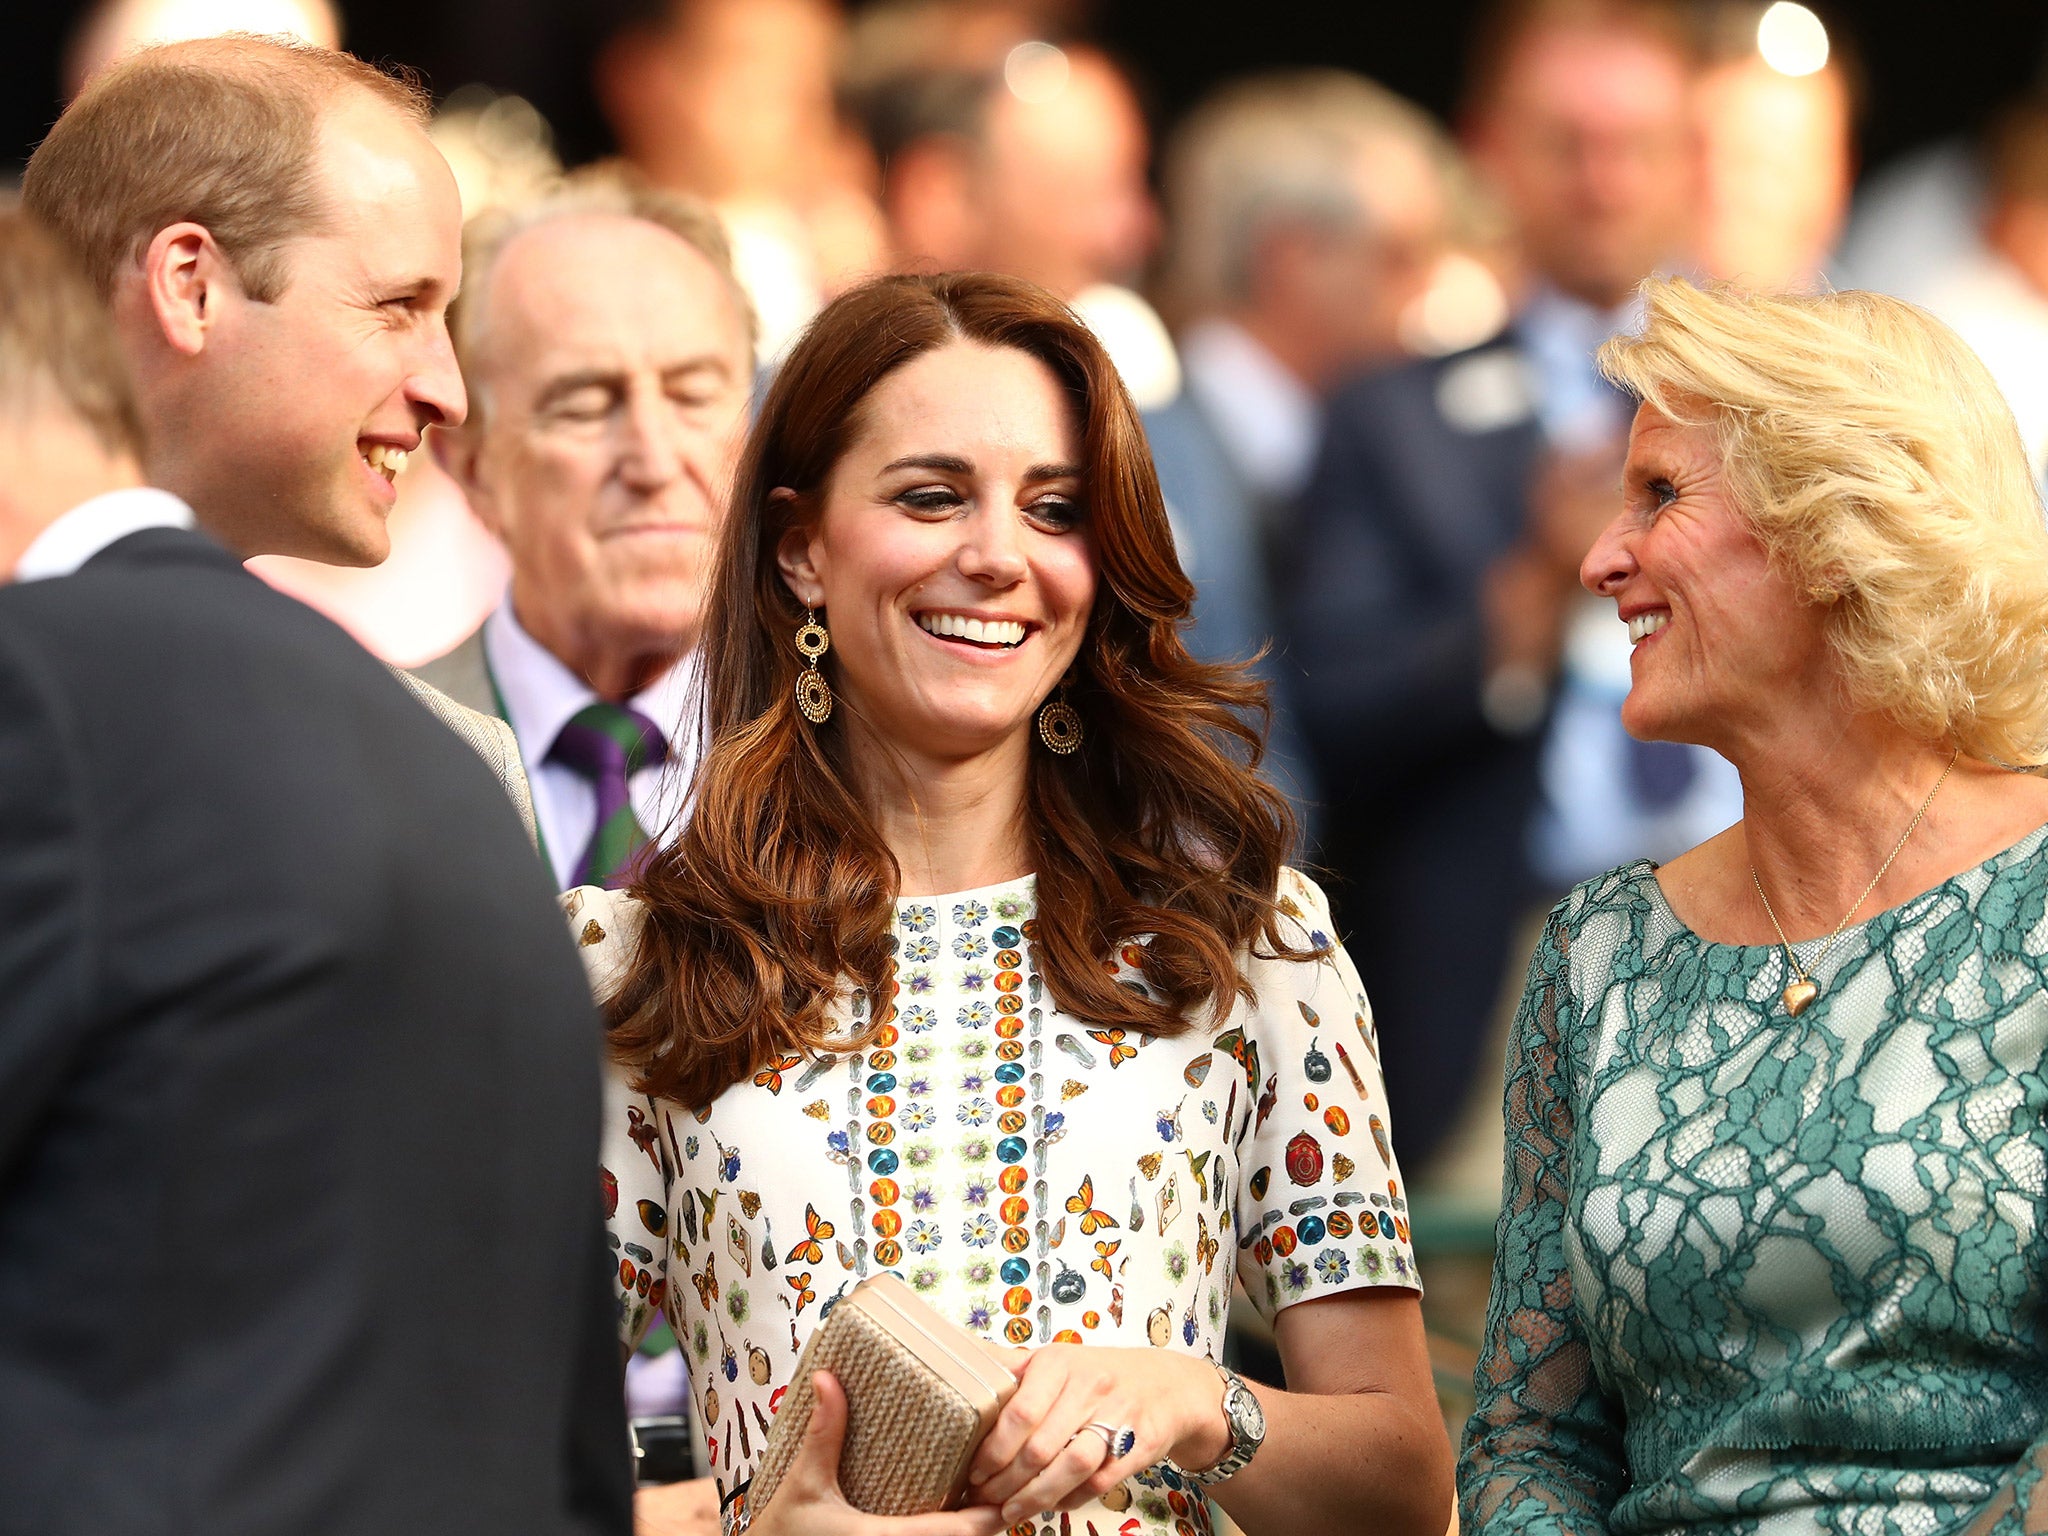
[1019,882]
[2023,848]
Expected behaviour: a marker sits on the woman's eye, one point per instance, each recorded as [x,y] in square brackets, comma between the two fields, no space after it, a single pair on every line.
[1056,512]
[934,498]
[1662,494]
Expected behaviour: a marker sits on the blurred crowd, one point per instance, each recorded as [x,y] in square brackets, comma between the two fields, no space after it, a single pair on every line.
[1362,340]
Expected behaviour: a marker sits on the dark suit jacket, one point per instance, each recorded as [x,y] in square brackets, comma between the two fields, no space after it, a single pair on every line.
[1420,484]
[299,1091]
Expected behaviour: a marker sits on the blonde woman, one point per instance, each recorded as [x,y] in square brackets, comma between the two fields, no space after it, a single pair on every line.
[1773,1255]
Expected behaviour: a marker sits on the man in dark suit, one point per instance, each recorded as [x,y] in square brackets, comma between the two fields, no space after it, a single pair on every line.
[1458,699]
[298,1072]
[1308,209]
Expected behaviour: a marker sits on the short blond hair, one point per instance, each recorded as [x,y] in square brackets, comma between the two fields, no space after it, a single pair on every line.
[57,344]
[220,132]
[609,188]
[1883,471]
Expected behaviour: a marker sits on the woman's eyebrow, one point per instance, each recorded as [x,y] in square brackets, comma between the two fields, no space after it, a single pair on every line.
[945,463]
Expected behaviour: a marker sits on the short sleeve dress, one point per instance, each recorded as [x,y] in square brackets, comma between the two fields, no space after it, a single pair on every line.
[1770,1276]
[1032,1177]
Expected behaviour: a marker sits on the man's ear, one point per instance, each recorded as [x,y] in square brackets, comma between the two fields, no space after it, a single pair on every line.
[794,554]
[187,279]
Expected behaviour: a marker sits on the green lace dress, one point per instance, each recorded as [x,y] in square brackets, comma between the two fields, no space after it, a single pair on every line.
[1765,1274]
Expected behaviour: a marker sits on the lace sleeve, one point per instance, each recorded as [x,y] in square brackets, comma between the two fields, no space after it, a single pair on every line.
[1543,1449]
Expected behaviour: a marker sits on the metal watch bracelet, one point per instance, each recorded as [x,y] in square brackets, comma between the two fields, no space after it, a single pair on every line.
[1247,1424]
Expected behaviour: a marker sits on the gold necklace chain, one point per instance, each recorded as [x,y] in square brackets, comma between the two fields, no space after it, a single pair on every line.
[1803,989]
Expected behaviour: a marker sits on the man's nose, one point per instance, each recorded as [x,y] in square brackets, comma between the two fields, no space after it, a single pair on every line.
[435,384]
[651,452]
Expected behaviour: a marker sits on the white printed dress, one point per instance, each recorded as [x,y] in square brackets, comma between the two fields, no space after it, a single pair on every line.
[1032,1178]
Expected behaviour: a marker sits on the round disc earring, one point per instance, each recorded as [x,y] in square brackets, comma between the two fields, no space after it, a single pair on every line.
[1059,727]
[813,693]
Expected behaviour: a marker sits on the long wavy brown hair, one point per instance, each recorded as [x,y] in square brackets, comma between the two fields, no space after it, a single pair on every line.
[779,893]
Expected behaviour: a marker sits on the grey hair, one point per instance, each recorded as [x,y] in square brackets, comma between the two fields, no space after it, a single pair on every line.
[1278,149]
[610,188]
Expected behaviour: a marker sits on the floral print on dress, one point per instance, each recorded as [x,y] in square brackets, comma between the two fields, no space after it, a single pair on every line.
[1033,1177]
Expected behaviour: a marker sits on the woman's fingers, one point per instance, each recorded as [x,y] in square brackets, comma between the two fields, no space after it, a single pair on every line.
[1072,1465]
[1038,1386]
[815,1468]
[1059,1450]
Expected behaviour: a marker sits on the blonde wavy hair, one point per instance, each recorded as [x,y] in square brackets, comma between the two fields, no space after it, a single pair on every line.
[1882,470]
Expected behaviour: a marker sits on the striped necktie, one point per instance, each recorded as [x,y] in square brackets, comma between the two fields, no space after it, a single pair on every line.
[607,744]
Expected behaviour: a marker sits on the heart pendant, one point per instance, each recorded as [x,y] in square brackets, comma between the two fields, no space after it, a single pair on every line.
[1797,995]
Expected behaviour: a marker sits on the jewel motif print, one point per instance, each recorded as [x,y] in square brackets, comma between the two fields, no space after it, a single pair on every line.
[1032,1176]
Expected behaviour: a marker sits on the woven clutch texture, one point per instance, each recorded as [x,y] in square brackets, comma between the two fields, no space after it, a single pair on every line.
[920,1395]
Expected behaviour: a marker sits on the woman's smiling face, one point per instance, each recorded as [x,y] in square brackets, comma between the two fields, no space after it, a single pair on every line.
[1721,639]
[950,554]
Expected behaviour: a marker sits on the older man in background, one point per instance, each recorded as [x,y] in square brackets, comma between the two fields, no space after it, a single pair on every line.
[1433,600]
[609,353]
[1308,210]
[280,991]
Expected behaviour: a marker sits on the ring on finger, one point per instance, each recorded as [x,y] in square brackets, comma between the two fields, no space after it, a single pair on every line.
[1120,1438]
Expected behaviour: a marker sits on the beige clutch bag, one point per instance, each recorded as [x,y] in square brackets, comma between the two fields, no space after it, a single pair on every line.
[920,1395]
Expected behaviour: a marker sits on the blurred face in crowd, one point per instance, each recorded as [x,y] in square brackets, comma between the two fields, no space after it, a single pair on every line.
[1587,138]
[732,98]
[612,373]
[1719,636]
[50,461]
[951,556]
[1777,163]
[1060,195]
[113,29]
[1336,293]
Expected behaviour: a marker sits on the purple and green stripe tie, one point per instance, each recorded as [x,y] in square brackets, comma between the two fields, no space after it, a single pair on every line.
[607,744]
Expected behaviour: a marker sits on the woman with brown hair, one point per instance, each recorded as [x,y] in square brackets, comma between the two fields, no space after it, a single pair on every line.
[977,963]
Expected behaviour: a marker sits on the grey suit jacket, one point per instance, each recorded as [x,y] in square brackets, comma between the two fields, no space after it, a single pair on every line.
[485,734]
[464,677]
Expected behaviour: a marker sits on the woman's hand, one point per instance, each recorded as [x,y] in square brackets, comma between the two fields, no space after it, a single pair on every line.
[1042,1455]
[808,1500]
[677,1509]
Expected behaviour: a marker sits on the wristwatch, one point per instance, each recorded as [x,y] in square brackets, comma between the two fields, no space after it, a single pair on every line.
[1247,1421]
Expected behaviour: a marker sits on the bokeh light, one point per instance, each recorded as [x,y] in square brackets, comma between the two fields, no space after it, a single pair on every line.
[1792,39]
[1035,72]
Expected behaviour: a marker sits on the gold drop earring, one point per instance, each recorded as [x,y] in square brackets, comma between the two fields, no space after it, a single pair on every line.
[813,693]
[1059,725]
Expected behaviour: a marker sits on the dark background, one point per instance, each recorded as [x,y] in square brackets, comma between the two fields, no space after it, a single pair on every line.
[1932,68]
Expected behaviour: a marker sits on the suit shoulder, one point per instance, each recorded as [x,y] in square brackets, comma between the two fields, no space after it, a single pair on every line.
[606,927]
[486,735]
[461,675]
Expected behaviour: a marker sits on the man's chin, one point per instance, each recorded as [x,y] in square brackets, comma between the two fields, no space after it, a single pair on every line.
[357,537]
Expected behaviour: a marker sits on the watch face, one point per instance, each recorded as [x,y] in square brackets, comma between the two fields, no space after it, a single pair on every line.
[1247,1418]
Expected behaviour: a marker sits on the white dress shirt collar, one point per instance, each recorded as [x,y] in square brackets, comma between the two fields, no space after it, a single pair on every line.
[1579,409]
[1268,419]
[89,527]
